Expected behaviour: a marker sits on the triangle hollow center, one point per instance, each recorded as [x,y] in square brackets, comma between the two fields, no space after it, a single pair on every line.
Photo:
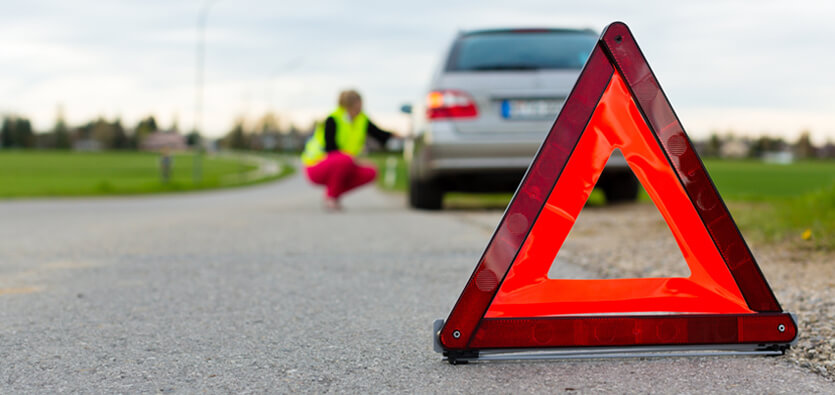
[614,242]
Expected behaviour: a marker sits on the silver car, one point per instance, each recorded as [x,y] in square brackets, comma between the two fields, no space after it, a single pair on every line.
[488,109]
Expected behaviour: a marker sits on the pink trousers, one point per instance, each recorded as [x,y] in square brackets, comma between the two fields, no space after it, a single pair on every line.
[340,173]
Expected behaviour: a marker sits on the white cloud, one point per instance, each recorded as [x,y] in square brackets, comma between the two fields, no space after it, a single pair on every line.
[25,47]
[763,67]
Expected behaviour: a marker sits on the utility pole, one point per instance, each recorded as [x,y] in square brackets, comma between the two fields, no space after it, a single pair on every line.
[202,16]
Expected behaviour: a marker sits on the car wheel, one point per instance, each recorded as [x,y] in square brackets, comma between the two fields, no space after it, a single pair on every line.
[622,187]
[425,195]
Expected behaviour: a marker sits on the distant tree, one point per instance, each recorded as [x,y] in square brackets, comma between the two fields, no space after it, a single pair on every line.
[764,144]
[61,132]
[827,151]
[6,137]
[713,146]
[145,127]
[268,123]
[102,131]
[236,138]
[17,133]
[760,146]
[120,137]
[25,134]
[779,144]
[109,135]
[294,130]
[294,137]
[803,147]
[84,132]
[193,139]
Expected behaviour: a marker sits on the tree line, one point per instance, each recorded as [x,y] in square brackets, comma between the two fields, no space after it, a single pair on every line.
[267,134]
[17,132]
[264,134]
[730,145]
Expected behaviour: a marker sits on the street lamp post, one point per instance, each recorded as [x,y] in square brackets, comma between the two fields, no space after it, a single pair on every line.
[202,16]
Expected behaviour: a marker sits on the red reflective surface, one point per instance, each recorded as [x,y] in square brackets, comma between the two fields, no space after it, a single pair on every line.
[629,331]
[528,292]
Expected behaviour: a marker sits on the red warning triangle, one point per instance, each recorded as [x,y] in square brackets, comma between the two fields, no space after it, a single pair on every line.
[510,303]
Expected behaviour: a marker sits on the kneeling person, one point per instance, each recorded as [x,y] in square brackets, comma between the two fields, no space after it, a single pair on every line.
[329,155]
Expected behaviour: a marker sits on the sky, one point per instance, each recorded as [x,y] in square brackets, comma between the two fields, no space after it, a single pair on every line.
[755,67]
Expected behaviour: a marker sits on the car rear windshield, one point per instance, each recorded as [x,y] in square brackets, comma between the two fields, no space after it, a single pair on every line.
[524,50]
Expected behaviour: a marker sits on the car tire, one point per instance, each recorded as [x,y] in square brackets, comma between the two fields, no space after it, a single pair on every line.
[425,195]
[621,188]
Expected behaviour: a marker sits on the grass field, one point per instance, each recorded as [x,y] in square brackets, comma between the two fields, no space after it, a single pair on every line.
[53,173]
[752,180]
[794,202]
[777,202]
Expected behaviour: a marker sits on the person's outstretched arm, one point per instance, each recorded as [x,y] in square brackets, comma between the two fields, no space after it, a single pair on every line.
[378,134]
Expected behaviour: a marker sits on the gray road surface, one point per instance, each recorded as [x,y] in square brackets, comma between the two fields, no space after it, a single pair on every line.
[258,290]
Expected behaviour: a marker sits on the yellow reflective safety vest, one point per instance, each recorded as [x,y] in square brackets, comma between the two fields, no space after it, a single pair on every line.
[350,137]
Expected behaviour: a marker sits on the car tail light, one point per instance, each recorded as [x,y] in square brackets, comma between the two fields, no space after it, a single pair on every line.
[450,104]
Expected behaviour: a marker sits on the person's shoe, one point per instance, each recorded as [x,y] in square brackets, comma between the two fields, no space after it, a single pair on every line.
[332,204]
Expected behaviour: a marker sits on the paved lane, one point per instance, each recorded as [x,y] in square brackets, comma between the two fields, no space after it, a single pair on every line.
[257,289]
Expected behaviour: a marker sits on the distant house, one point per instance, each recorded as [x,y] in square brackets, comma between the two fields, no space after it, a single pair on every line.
[735,149]
[159,140]
[778,157]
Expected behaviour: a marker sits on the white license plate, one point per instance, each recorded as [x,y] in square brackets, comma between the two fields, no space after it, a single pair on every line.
[530,109]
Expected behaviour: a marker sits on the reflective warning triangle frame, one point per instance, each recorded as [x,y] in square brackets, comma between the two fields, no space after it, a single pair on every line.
[470,334]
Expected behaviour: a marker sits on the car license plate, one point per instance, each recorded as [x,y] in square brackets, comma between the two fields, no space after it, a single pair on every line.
[530,109]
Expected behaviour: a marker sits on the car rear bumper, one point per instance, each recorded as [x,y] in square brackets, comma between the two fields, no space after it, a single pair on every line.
[478,156]
[447,165]
[432,160]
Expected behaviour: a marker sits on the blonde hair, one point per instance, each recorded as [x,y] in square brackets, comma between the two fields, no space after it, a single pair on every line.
[348,98]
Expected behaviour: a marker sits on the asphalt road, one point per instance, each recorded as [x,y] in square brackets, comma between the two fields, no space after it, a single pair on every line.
[259,290]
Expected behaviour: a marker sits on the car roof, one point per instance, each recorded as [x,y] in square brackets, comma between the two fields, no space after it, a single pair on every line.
[464,33]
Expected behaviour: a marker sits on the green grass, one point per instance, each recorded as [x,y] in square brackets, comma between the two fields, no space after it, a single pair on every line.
[752,180]
[55,173]
[794,202]
[806,221]
[773,202]
[401,170]
[814,213]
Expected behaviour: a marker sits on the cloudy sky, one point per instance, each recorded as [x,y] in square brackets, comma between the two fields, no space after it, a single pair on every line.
[756,67]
